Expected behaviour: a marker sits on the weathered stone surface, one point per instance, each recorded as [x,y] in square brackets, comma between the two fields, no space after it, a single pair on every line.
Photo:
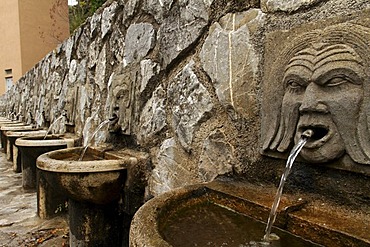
[45,66]
[117,45]
[68,46]
[55,60]
[231,61]
[101,69]
[153,116]
[81,71]
[172,169]
[181,28]
[287,5]
[216,157]
[191,104]
[94,21]
[83,43]
[72,71]
[140,39]
[107,18]
[148,69]
[158,9]
[93,54]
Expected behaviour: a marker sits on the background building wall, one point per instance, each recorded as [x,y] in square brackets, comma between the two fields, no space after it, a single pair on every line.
[10,43]
[30,30]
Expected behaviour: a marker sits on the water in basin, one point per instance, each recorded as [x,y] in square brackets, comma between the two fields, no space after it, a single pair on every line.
[209,224]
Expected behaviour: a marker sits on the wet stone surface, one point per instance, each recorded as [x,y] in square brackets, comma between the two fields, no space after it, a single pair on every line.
[19,223]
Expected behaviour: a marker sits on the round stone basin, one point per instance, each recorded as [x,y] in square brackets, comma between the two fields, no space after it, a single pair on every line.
[94,187]
[7,121]
[11,126]
[98,178]
[234,214]
[32,147]
[13,154]
[8,147]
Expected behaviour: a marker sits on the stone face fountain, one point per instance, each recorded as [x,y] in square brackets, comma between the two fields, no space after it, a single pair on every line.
[94,187]
[224,98]
[314,80]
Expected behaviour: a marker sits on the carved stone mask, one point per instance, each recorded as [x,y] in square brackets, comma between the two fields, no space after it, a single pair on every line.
[70,105]
[323,77]
[121,105]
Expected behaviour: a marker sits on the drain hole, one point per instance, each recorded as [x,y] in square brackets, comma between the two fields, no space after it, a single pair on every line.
[318,132]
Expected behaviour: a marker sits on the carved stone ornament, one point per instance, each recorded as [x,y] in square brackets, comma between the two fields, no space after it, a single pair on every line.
[319,80]
[70,105]
[122,95]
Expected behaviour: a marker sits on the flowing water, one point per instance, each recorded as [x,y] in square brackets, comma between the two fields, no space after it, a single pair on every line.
[92,136]
[52,124]
[292,156]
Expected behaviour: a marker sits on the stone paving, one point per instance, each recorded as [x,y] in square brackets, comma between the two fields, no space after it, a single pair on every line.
[19,223]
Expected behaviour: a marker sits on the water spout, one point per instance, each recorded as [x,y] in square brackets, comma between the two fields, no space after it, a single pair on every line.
[53,123]
[92,136]
[268,237]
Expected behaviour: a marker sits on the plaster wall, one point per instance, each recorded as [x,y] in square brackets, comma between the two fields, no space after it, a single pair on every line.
[10,48]
[28,32]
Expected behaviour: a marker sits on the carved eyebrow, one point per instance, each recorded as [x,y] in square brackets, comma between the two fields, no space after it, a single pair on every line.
[339,55]
[302,60]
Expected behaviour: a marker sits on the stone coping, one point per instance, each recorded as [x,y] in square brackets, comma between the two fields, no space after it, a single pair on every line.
[51,140]
[25,133]
[64,161]
[16,128]
[12,124]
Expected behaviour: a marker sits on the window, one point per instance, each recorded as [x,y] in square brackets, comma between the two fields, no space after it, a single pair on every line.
[8,82]
[8,71]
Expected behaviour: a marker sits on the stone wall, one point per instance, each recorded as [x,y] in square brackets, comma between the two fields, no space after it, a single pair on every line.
[192,76]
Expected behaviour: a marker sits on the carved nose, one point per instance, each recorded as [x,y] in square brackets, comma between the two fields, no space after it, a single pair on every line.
[313,101]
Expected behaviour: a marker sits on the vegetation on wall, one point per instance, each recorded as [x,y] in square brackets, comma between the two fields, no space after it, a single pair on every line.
[76,16]
[81,11]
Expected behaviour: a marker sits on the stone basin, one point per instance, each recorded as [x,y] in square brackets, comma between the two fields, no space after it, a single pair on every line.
[94,188]
[8,149]
[97,179]
[4,125]
[13,154]
[32,147]
[221,213]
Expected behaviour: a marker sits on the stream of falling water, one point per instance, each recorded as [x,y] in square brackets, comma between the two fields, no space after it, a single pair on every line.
[292,156]
[92,136]
[52,124]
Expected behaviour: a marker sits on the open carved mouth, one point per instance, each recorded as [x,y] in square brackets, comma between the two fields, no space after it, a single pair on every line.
[320,135]
[113,119]
[319,132]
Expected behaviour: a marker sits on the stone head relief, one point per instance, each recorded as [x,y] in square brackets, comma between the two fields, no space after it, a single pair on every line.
[70,104]
[322,83]
[122,99]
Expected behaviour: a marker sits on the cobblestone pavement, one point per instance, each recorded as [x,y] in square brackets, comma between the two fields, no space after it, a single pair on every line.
[19,224]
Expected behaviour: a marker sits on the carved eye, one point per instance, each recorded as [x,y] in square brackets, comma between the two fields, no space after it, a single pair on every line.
[294,84]
[336,81]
